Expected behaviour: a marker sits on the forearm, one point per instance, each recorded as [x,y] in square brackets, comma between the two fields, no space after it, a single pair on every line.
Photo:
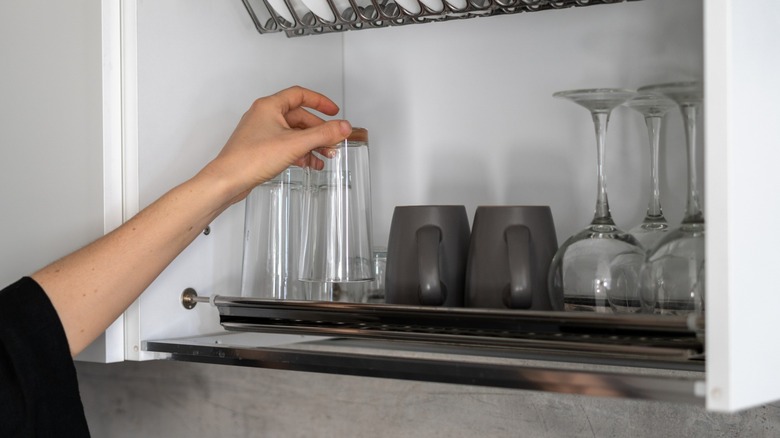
[91,287]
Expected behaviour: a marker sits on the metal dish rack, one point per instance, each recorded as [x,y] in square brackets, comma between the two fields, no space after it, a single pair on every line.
[366,14]
[646,339]
[567,352]
[670,342]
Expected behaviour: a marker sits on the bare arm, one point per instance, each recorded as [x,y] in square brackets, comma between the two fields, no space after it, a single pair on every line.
[91,287]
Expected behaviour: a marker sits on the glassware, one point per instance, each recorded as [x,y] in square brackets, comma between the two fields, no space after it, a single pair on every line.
[376,289]
[598,268]
[653,107]
[336,228]
[673,277]
[371,292]
[272,230]
[321,291]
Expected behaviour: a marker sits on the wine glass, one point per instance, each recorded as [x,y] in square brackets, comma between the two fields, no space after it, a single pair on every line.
[598,268]
[653,107]
[673,276]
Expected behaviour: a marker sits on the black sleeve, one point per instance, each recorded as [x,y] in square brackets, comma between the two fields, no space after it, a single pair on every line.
[39,392]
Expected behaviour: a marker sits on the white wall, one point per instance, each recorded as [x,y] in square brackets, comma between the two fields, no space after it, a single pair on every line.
[462,112]
[51,180]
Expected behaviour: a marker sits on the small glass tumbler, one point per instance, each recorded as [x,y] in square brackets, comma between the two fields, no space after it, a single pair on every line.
[376,289]
[336,231]
[371,292]
[272,230]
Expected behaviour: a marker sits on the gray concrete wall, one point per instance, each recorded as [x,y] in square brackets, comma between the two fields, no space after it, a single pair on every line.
[171,399]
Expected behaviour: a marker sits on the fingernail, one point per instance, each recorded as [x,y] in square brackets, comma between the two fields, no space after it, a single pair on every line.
[345,127]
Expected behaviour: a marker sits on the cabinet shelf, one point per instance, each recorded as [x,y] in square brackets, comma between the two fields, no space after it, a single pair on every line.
[296,19]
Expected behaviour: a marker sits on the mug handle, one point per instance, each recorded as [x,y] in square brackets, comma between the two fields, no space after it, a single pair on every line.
[431,291]
[518,293]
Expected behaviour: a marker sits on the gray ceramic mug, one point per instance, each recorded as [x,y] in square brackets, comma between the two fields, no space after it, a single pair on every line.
[426,255]
[509,255]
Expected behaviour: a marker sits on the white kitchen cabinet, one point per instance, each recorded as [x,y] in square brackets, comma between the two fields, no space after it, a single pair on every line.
[461,112]
[59,178]
[741,56]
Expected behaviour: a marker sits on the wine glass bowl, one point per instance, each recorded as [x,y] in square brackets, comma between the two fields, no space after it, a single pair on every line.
[598,269]
[673,277]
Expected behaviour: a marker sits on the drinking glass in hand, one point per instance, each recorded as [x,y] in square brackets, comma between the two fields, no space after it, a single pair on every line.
[272,231]
[336,228]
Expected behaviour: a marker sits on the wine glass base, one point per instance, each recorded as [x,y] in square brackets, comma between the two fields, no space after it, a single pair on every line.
[597,99]
[683,93]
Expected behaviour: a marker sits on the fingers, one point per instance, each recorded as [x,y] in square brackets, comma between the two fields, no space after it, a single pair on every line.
[276,132]
[302,119]
[310,160]
[295,97]
[322,136]
[326,152]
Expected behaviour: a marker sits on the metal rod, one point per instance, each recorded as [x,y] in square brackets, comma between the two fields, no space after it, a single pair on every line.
[189,298]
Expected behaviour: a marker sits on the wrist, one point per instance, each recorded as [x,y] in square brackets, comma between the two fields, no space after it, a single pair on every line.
[216,187]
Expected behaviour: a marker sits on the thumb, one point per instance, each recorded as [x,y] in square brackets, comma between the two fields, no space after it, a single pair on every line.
[324,135]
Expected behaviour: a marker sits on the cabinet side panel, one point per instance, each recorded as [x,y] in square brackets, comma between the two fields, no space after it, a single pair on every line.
[753,206]
[716,112]
[200,66]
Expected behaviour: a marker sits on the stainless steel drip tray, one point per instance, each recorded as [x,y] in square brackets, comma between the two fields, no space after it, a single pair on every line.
[655,358]
[644,340]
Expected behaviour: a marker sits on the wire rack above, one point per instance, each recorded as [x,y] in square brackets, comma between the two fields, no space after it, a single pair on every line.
[313,17]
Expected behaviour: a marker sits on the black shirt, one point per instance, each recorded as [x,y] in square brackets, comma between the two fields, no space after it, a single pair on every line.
[39,392]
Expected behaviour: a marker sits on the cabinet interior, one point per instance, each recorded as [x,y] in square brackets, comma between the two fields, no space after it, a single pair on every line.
[458,112]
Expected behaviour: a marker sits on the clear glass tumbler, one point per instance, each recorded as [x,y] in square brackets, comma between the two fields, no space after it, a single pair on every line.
[376,289]
[272,230]
[336,231]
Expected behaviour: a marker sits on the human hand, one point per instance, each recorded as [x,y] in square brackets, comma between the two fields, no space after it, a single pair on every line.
[275,133]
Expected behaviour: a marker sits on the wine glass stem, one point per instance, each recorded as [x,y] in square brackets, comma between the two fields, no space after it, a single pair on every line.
[693,212]
[602,215]
[654,132]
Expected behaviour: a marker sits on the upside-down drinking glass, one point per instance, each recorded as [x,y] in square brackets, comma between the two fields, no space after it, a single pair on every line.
[336,224]
[673,276]
[598,268]
[272,233]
